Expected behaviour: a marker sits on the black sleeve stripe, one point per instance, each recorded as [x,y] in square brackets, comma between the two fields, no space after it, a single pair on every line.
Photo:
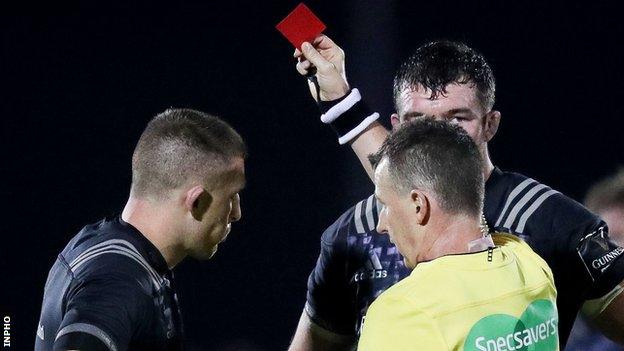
[377,209]
[515,211]
[518,209]
[357,216]
[534,206]
[517,190]
[120,247]
[100,246]
[365,211]
[370,220]
[88,329]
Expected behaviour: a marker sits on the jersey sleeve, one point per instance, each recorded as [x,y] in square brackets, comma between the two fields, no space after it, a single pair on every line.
[330,303]
[104,308]
[586,256]
[392,323]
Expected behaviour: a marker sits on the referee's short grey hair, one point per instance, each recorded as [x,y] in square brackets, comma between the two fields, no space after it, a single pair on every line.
[438,157]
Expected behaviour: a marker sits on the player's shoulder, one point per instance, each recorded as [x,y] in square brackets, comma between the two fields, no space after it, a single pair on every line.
[107,250]
[516,203]
[359,219]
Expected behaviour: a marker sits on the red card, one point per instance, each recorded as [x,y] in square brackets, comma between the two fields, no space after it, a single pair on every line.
[301,25]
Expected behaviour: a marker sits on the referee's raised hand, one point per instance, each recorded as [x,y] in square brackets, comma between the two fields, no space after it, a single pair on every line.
[326,61]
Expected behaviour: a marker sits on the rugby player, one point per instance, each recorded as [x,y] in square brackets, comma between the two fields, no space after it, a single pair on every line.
[464,293]
[445,81]
[111,288]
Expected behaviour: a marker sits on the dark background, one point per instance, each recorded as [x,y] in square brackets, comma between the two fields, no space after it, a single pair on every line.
[79,83]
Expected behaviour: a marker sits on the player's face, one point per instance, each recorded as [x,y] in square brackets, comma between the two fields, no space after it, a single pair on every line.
[396,217]
[223,210]
[614,217]
[460,105]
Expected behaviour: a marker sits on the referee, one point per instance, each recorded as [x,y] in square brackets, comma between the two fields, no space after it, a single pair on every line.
[112,288]
[466,290]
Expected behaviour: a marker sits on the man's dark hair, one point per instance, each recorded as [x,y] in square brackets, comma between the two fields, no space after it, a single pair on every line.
[607,193]
[440,63]
[439,157]
[178,145]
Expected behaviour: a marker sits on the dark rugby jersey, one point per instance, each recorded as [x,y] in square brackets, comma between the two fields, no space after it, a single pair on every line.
[356,263]
[109,289]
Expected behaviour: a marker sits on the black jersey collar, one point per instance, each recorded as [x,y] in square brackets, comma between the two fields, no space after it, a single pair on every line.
[148,250]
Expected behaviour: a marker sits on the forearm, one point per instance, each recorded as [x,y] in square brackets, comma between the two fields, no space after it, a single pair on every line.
[342,107]
[368,142]
[356,125]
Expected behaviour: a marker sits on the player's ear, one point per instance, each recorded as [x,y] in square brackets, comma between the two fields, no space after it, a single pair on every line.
[197,201]
[420,206]
[395,121]
[491,122]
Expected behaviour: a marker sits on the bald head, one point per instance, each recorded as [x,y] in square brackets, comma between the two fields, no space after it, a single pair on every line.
[179,146]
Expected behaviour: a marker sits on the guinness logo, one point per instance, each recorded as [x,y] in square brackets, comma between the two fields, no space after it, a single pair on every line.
[605,260]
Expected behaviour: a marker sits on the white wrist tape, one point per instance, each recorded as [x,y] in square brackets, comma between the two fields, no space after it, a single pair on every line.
[359,129]
[343,106]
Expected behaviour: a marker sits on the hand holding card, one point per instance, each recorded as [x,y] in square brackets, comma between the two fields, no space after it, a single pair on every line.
[322,61]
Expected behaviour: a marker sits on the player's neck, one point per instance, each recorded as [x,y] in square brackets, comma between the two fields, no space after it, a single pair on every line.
[488,166]
[153,221]
[453,236]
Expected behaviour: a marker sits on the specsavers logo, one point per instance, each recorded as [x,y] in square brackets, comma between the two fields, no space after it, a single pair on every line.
[535,330]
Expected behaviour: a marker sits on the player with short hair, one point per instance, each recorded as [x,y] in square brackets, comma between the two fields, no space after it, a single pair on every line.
[111,288]
[453,82]
[463,293]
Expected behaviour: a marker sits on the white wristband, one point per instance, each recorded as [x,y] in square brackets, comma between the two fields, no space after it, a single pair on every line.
[341,107]
[359,129]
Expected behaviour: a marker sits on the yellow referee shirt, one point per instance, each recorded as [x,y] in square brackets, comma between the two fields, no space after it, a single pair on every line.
[503,300]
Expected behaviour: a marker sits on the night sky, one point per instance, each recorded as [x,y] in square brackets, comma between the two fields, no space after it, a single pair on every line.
[80,82]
